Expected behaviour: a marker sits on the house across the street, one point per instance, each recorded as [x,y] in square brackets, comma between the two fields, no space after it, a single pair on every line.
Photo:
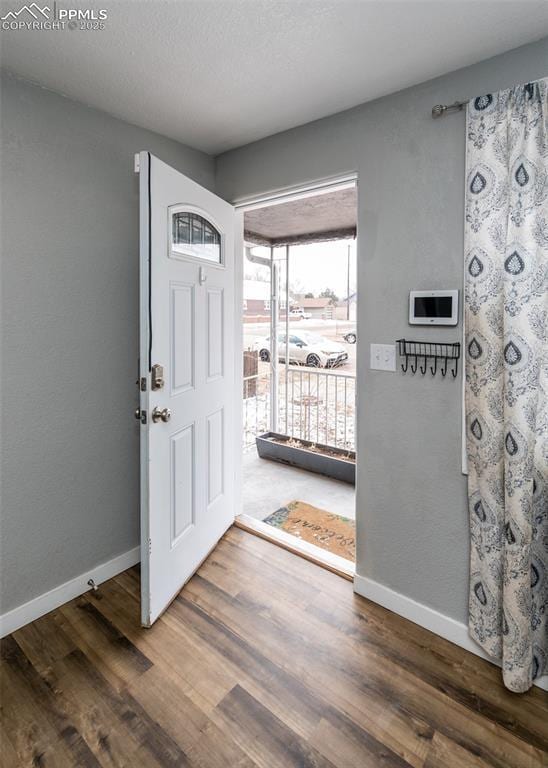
[319,308]
[346,308]
[256,301]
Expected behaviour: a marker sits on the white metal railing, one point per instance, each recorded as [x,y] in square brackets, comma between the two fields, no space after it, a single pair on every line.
[318,405]
[256,407]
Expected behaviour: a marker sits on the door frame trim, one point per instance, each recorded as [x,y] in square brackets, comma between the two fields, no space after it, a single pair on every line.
[238,331]
[297,192]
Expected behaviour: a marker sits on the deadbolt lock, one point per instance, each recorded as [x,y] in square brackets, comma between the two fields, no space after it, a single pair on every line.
[161,415]
[157,376]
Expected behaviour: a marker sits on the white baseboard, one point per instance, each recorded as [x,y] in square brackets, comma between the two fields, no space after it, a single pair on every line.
[39,606]
[425,617]
[410,609]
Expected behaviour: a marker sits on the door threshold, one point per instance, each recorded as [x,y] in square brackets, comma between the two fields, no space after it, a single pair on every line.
[334,563]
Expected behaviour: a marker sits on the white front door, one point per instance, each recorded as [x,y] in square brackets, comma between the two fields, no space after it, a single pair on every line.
[186,378]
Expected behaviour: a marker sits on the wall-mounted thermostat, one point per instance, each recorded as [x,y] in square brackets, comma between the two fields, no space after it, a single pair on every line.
[433,307]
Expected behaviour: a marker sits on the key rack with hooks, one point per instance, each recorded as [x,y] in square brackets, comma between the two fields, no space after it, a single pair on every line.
[424,355]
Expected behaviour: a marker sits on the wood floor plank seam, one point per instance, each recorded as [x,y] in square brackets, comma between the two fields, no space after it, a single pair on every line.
[13,655]
[386,691]
[264,660]
[458,693]
[323,707]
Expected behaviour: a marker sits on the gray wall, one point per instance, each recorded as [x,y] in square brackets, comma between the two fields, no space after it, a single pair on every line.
[69,446]
[412,518]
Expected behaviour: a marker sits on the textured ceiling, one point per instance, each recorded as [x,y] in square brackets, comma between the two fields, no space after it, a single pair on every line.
[217,74]
[329,216]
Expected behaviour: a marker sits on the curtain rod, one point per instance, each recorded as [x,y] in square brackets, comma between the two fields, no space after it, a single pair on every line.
[441,109]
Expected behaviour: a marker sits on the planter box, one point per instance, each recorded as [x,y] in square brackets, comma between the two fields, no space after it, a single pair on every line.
[275,447]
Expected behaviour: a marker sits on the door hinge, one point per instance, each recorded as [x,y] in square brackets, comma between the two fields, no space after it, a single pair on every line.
[136,163]
[149,546]
[143,386]
[141,415]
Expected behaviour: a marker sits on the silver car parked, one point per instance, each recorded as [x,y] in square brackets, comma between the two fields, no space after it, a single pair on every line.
[306,349]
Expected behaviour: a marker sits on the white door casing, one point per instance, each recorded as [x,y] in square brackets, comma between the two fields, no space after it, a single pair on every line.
[188,463]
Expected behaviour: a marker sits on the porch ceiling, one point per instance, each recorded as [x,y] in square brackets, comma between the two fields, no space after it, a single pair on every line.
[328,216]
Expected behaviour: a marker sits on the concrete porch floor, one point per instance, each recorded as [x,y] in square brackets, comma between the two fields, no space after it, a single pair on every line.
[267,486]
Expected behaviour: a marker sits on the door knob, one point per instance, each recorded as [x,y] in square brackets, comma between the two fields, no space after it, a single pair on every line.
[161,415]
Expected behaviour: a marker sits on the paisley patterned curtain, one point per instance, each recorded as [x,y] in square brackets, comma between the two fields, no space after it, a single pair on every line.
[506,298]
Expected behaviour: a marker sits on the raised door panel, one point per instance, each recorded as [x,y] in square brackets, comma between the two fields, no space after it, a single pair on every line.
[215,455]
[182,335]
[182,482]
[215,334]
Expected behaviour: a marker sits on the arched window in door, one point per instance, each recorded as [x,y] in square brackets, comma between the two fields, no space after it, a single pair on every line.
[194,236]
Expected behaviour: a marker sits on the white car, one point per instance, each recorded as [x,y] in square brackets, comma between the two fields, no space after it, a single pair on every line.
[300,313]
[305,348]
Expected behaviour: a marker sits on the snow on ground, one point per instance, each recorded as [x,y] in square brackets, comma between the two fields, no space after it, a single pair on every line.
[320,407]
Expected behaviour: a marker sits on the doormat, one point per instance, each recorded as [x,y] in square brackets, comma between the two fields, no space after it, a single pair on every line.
[335,533]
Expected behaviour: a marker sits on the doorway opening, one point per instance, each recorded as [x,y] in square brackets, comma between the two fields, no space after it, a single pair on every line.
[299,373]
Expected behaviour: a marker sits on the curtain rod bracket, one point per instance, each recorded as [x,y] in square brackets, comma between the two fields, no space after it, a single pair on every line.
[441,109]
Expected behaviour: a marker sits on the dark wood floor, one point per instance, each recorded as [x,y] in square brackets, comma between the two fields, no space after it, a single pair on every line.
[264,659]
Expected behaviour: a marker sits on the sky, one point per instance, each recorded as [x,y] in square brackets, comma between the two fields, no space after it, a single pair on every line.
[313,267]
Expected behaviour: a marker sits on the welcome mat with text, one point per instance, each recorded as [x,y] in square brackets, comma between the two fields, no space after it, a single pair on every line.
[334,533]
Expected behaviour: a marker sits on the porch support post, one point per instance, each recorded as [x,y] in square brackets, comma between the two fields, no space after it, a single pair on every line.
[348,281]
[286,339]
[274,322]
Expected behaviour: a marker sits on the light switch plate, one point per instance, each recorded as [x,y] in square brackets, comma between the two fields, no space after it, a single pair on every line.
[383,357]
